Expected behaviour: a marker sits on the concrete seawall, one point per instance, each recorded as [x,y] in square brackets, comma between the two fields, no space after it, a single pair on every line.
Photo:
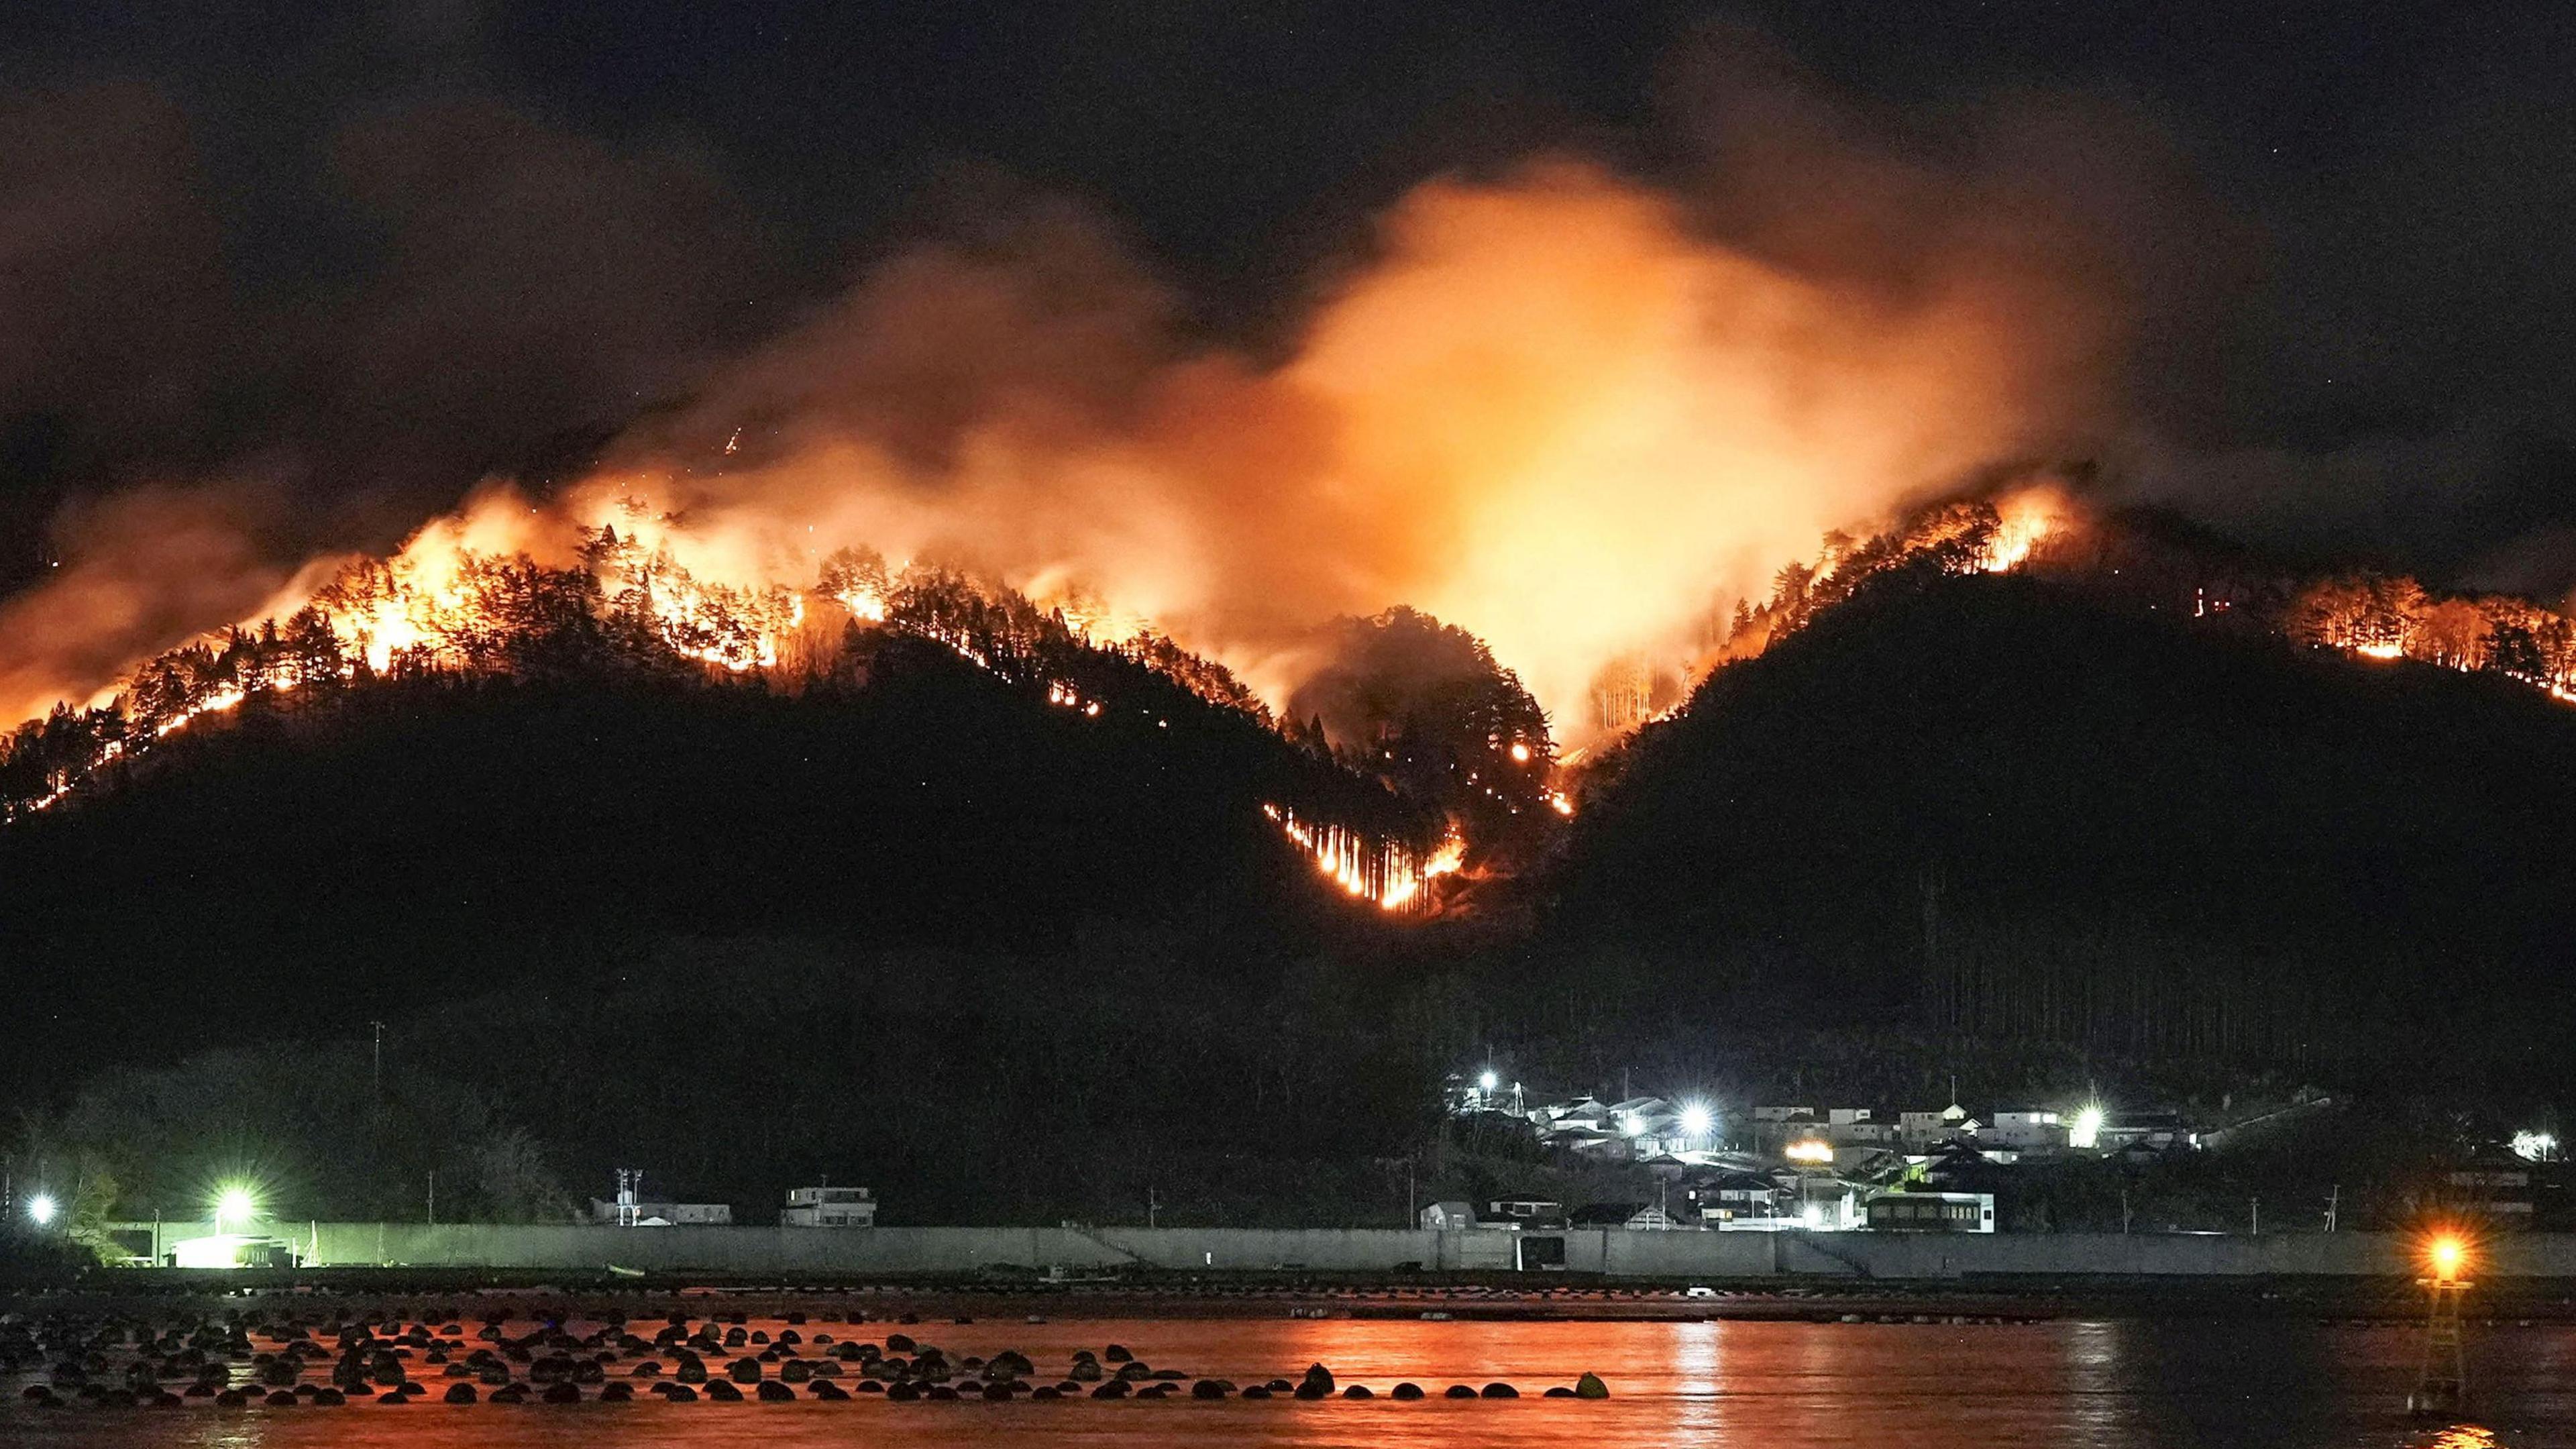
[1616,1252]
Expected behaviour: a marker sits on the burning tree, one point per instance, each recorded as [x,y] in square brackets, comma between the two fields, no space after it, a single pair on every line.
[1424,706]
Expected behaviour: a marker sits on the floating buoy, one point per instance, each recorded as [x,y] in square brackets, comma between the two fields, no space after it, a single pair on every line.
[1406,1391]
[1458,1391]
[1501,1391]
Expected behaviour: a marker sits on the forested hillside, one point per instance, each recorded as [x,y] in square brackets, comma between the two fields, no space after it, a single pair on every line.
[2016,806]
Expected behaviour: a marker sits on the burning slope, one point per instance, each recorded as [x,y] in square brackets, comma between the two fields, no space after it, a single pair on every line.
[449,605]
[1550,408]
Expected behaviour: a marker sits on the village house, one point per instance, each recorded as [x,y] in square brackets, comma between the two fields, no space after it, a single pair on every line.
[2024,1129]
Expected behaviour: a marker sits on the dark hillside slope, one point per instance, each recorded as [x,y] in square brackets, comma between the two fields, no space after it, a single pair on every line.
[306,869]
[1995,805]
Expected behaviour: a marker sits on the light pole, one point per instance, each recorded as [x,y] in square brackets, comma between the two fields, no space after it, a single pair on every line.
[2443,1388]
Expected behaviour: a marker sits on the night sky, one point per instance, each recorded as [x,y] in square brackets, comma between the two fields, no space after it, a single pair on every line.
[366,253]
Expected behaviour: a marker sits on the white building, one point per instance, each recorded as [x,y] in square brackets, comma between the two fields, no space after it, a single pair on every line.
[1857,1127]
[829,1207]
[2024,1129]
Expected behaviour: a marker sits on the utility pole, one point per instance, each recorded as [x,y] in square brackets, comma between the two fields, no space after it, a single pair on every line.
[2124,1212]
[1153,1207]
[433,1197]
[2256,1206]
[2333,1199]
[378,1073]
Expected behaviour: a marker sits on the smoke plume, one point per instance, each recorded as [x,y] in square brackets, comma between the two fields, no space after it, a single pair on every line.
[1566,409]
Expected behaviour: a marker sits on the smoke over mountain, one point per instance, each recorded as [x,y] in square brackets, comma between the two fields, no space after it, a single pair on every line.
[1554,405]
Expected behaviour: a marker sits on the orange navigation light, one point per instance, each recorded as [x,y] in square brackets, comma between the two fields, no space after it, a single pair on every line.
[2446,1253]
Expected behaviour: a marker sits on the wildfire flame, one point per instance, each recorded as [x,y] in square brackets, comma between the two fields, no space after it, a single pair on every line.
[2026,518]
[1384,873]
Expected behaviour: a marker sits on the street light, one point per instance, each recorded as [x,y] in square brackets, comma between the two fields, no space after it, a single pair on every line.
[1489,1081]
[233,1202]
[2085,1133]
[1697,1120]
[40,1209]
[2446,1253]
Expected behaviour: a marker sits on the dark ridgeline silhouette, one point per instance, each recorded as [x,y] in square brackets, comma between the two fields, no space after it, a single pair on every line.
[898,902]
[2049,808]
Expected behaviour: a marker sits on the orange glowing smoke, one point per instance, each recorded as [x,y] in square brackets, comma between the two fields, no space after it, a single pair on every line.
[1549,410]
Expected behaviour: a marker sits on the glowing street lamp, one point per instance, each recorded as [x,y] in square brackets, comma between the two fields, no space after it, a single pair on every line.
[234,1202]
[1489,1081]
[2446,1253]
[2085,1132]
[1697,1120]
[41,1210]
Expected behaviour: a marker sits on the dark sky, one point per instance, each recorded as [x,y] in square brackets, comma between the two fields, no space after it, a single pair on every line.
[368,251]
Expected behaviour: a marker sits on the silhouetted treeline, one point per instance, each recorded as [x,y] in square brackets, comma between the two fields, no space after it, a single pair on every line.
[1215,1077]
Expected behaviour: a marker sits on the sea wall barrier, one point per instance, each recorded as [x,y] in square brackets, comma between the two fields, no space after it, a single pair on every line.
[1617,1252]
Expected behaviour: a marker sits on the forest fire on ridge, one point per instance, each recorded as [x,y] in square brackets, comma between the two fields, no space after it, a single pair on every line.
[504,585]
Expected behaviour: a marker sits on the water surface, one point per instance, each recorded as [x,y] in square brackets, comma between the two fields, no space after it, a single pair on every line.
[2128,1384]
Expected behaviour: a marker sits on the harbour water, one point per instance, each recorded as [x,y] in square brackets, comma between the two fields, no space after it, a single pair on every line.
[2156,1383]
